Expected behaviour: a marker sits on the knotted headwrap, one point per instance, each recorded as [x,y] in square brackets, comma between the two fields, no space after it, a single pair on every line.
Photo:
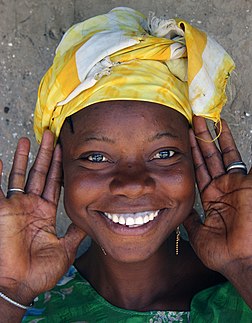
[123,55]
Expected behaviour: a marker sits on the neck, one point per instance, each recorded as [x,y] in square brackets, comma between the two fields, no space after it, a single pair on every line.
[133,284]
[138,286]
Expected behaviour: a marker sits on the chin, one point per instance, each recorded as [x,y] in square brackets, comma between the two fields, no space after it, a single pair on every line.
[133,254]
[130,259]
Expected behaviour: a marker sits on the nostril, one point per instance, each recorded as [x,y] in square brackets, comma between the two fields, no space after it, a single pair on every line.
[130,166]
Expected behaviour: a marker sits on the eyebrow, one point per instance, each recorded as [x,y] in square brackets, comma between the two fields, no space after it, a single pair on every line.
[163,134]
[110,141]
[98,138]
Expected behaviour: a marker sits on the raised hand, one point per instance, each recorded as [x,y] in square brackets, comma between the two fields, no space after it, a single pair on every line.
[224,241]
[32,257]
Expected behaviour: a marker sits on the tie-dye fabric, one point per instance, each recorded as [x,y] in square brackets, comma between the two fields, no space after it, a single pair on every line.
[122,55]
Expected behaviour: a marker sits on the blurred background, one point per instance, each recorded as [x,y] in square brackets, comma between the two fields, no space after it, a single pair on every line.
[31,30]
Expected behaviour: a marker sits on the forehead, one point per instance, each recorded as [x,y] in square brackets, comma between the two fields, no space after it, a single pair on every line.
[127,117]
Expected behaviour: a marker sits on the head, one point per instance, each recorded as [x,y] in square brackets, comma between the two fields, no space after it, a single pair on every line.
[126,163]
[131,86]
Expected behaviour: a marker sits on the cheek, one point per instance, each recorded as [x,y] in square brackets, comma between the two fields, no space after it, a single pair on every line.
[179,191]
[186,183]
[77,197]
[187,192]
[179,185]
[81,190]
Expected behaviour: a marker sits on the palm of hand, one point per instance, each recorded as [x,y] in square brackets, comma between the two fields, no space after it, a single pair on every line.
[225,235]
[28,223]
[28,239]
[227,204]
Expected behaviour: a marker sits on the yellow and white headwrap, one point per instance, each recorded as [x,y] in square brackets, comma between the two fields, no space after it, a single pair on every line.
[123,55]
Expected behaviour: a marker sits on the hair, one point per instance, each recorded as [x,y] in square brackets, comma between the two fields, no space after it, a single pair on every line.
[69,120]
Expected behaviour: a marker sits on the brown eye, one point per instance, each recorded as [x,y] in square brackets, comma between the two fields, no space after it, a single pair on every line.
[164,154]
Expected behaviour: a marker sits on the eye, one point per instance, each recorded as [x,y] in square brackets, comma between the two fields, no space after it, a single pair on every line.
[97,158]
[163,154]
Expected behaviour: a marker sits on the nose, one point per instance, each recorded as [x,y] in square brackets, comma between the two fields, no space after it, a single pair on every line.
[132,181]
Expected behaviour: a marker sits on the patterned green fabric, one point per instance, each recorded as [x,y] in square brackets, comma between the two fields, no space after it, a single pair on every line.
[74,300]
[220,304]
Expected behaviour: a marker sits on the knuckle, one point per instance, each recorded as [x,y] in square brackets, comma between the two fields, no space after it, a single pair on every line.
[15,173]
[54,178]
[38,171]
[199,165]
[45,152]
[202,133]
[229,150]
[35,190]
[212,154]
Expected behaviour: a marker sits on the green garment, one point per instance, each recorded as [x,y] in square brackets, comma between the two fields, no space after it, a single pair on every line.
[74,300]
[220,304]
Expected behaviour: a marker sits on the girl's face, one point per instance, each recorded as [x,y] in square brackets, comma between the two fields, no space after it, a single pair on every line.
[128,175]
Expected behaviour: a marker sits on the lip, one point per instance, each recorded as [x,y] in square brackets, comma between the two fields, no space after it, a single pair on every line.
[130,231]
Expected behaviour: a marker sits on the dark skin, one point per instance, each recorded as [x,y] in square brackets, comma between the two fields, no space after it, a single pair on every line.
[130,179]
[121,188]
[114,280]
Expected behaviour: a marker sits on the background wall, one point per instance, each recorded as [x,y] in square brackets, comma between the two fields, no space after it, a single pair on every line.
[31,30]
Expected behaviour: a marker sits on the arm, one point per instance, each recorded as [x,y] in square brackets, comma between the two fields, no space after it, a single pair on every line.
[32,257]
[224,241]
[239,273]
[10,313]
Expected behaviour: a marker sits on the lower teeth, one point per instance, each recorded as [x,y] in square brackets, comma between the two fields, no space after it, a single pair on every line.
[134,225]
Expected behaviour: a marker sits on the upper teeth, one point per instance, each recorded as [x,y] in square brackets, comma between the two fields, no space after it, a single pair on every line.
[132,219]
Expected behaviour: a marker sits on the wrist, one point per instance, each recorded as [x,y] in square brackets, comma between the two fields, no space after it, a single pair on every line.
[15,303]
[18,293]
[239,273]
[10,313]
[234,268]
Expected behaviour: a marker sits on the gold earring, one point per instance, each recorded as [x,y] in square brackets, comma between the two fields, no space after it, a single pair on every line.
[104,251]
[177,241]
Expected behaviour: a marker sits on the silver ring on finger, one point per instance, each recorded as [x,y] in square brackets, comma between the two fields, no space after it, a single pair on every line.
[15,190]
[237,165]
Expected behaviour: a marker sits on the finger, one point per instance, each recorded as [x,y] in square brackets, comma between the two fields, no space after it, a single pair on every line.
[72,239]
[208,238]
[210,152]
[202,176]
[1,172]
[53,182]
[228,147]
[19,165]
[199,231]
[38,173]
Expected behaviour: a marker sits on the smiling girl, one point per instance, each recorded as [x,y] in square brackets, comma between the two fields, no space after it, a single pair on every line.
[119,102]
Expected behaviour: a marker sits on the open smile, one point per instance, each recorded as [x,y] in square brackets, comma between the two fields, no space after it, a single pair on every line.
[132,220]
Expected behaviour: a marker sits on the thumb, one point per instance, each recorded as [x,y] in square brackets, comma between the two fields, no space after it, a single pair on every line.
[206,240]
[72,239]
